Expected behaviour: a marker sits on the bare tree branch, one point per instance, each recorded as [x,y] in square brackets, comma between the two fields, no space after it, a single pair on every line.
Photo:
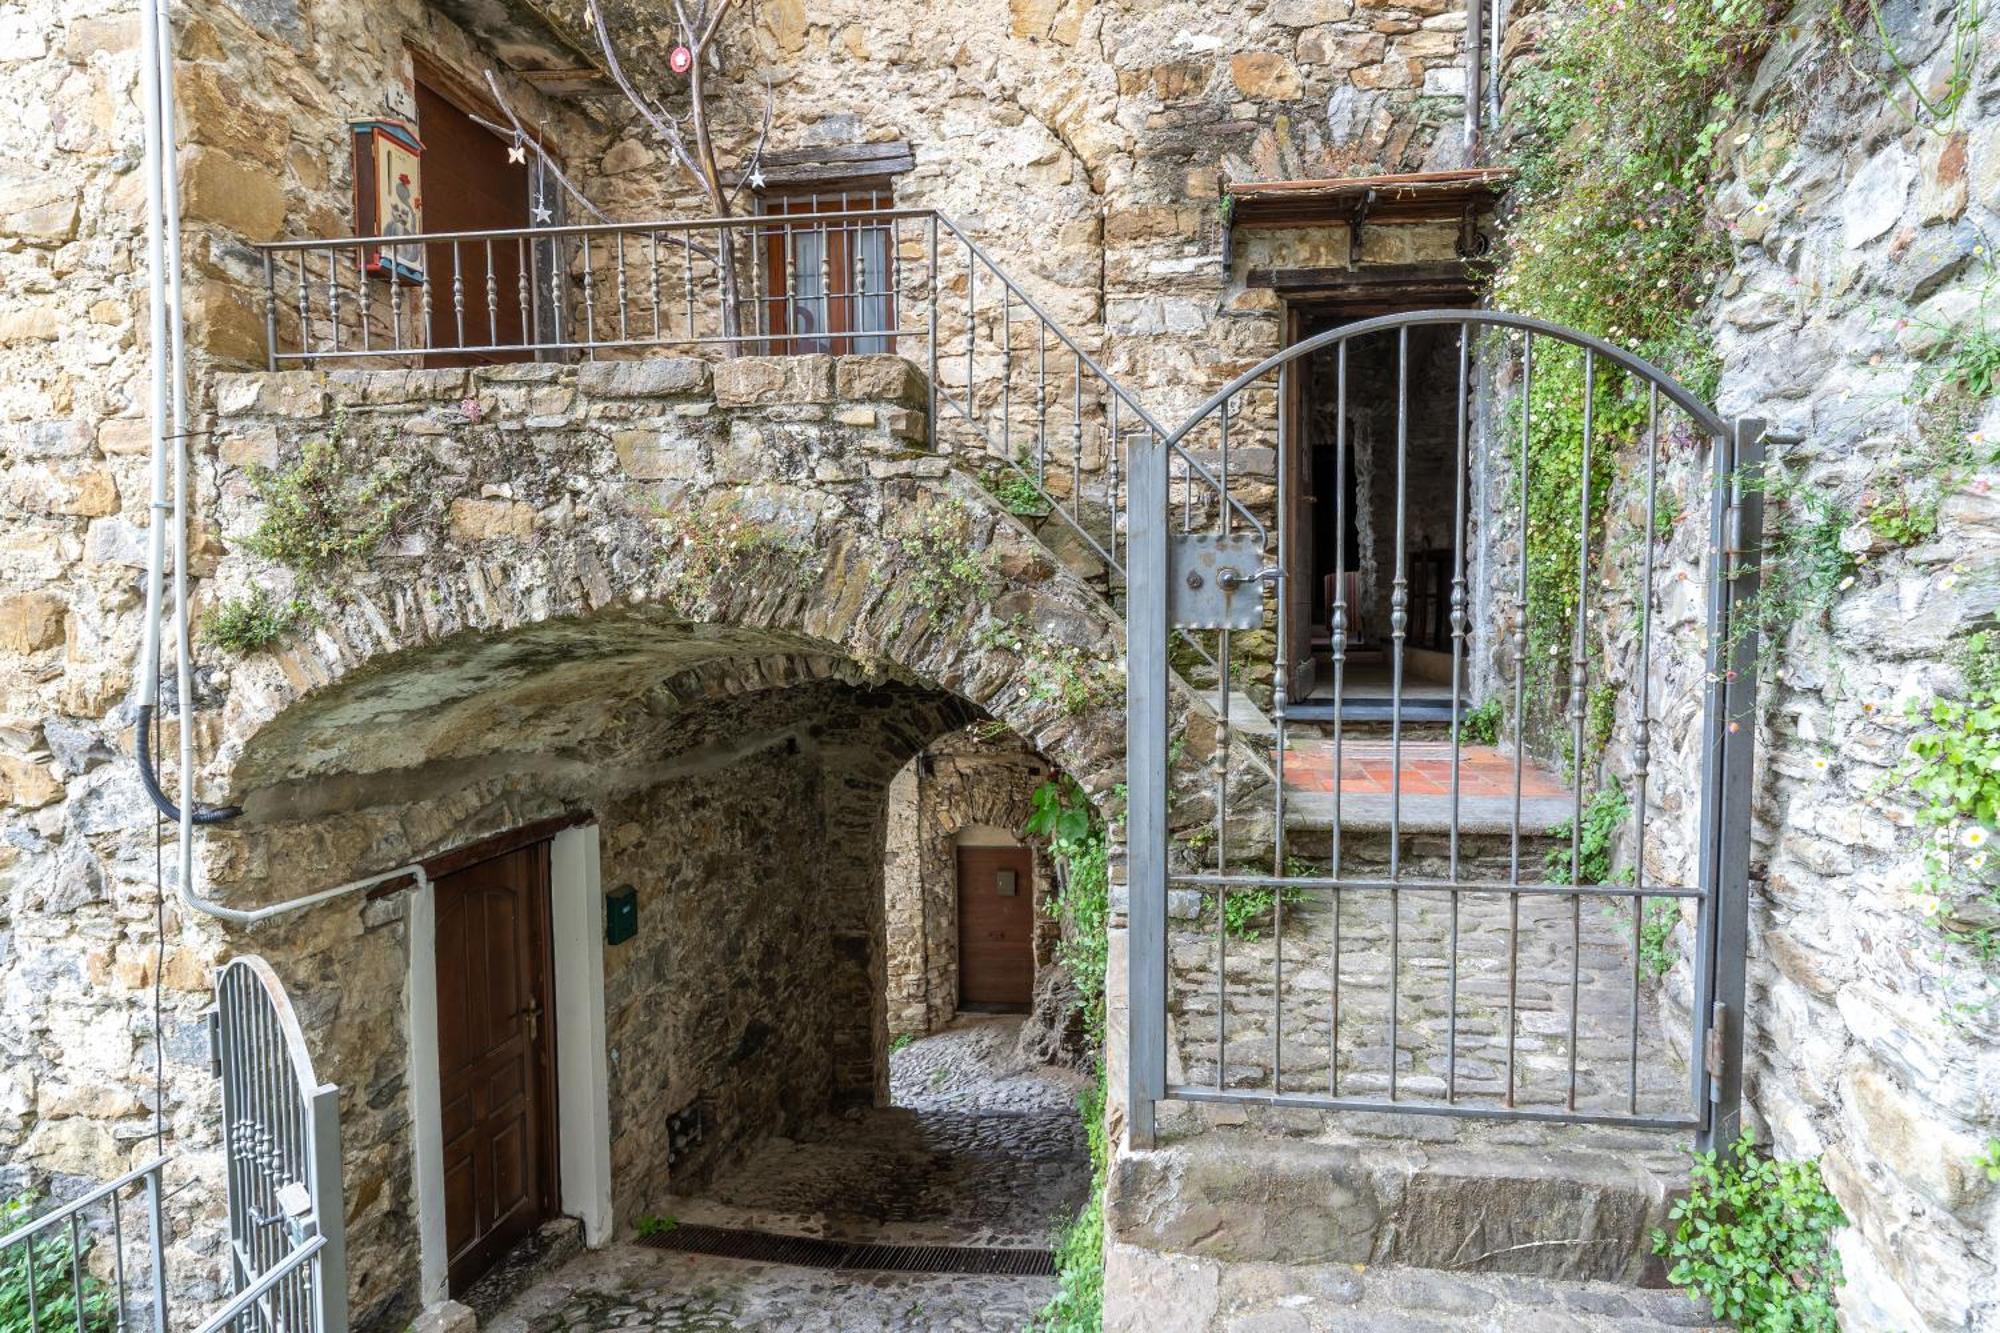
[662,123]
[521,135]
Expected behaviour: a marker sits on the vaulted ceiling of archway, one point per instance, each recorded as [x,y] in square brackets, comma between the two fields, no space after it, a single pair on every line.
[619,691]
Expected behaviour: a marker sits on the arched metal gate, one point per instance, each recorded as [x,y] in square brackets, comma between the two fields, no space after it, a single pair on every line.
[1385,910]
[281,1147]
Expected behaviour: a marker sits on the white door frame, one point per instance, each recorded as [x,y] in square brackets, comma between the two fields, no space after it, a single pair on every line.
[583,1104]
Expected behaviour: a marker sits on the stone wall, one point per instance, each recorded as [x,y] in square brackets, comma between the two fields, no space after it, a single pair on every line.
[546,630]
[1863,257]
[1864,250]
[966,786]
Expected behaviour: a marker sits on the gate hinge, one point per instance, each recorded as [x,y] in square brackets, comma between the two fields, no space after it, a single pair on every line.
[215,1043]
[1712,1050]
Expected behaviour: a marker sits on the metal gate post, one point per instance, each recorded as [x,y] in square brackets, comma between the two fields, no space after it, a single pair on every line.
[1740,497]
[1146,789]
[329,1204]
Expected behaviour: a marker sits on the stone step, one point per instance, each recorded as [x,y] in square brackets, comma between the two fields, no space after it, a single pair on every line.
[1142,1285]
[1558,1202]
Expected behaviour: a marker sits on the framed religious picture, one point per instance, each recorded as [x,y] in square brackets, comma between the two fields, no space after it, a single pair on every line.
[389,196]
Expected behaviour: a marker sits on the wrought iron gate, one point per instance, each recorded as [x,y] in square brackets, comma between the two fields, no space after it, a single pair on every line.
[281,1148]
[1397,914]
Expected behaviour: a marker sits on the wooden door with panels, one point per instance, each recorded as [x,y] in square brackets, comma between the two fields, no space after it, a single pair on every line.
[470,185]
[496,1057]
[996,927]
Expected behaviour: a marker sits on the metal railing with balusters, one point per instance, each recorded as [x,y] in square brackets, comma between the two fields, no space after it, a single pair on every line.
[1038,406]
[93,1265]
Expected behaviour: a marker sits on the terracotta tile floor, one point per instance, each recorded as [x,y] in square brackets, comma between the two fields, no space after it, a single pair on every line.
[1367,769]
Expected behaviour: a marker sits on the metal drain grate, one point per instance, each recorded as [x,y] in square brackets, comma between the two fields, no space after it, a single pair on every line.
[811,1252]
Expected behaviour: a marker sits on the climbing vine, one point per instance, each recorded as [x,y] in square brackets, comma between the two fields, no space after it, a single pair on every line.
[1610,234]
[1754,1238]
[1953,769]
[1077,840]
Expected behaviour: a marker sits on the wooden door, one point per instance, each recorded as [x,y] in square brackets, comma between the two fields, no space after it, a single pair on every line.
[469,185]
[996,927]
[496,1057]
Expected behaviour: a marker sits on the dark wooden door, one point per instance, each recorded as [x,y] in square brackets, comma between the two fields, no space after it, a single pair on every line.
[469,185]
[495,1057]
[996,926]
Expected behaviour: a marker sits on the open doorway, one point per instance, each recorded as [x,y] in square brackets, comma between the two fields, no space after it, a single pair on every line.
[1375,499]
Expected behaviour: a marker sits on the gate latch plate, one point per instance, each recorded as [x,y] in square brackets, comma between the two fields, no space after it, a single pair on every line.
[1215,581]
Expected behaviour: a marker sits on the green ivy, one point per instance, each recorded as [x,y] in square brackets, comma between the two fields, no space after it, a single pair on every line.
[1481,725]
[1610,234]
[1604,815]
[1077,838]
[244,625]
[1078,1305]
[1063,816]
[1754,1239]
[325,509]
[1953,768]
[56,1296]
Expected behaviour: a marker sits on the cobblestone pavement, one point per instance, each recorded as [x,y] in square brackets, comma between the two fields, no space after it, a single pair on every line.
[980,1149]
[637,1290]
[1566,945]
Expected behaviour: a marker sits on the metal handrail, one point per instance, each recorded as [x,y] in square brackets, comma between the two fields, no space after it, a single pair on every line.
[303,1255]
[58,1215]
[591,288]
[87,1293]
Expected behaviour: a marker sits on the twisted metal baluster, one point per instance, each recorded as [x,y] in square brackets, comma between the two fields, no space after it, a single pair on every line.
[524,289]
[624,297]
[589,303]
[305,306]
[361,294]
[1642,724]
[1520,728]
[492,299]
[457,296]
[1458,633]
[1338,642]
[333,295]
[1579,681]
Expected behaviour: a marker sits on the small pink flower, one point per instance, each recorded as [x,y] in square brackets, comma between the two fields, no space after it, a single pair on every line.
[472,411]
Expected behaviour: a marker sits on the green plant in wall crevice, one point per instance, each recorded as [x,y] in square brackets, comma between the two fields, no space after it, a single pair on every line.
[1754,1240]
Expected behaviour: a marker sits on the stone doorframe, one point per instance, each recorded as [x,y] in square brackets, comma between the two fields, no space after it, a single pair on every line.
[583,1104]
[961,791]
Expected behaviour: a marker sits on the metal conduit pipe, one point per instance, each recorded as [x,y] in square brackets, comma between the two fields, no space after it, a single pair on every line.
[168,410]
[1474,98]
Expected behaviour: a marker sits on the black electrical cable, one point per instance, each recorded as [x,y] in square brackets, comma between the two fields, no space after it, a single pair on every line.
[149,778]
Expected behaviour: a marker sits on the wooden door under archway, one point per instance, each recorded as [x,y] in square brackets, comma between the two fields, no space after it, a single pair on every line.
[496,1057]
[996,928]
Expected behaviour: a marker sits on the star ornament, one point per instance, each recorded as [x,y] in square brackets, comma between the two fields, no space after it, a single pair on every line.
[756,178]
[543,216]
